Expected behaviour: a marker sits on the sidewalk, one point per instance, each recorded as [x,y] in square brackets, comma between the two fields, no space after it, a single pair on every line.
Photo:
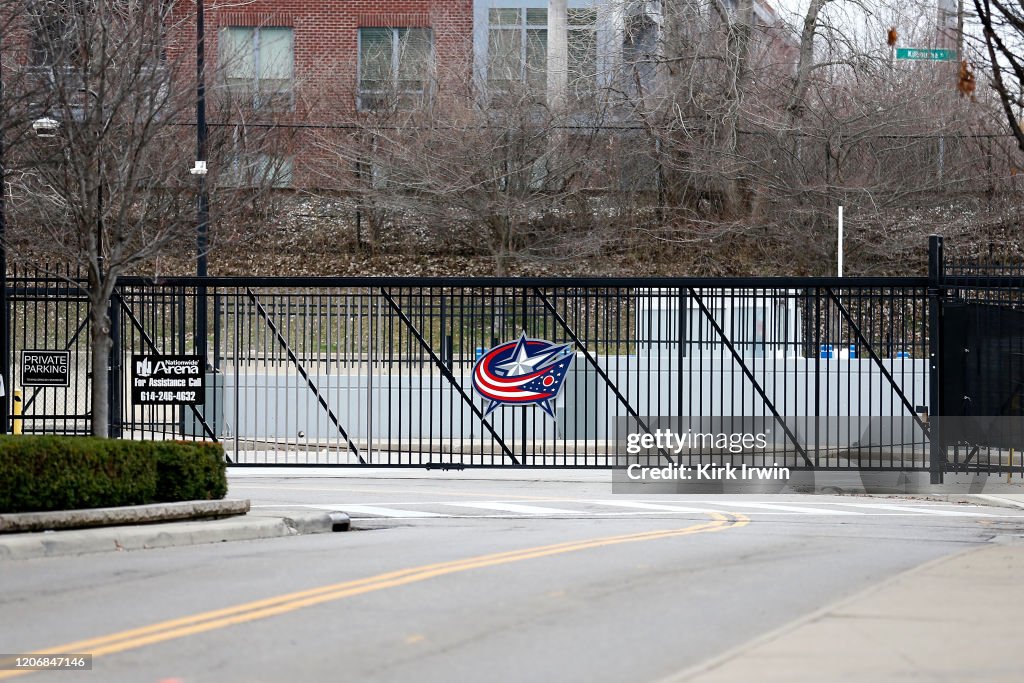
[955,619]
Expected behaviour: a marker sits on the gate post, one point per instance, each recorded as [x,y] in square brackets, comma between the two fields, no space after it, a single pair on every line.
[936,448]
[5,318]
[5,322]
[114,378]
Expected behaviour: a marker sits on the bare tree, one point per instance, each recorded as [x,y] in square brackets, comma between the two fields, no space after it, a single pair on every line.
[723,129]
[761,130]
[107,179]
[1002,26]
[490,166]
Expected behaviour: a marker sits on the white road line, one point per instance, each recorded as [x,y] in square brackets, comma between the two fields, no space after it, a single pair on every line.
[637,508]
[636,505]
[379,511]
[779,507]
[516,508]
[920,510]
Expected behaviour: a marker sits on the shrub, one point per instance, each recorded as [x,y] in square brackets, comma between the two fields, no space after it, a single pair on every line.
[40,473]
[189,470]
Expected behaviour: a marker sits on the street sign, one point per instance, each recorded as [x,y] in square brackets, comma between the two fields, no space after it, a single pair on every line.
[41,368]
[925,53]
[168,380]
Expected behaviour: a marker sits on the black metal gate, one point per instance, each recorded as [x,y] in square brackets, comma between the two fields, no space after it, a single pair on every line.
[841,373]
[378,371]
[47,311]
[982,367]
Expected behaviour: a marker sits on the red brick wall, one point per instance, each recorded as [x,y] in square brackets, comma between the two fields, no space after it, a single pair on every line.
[326,48]
[326,33]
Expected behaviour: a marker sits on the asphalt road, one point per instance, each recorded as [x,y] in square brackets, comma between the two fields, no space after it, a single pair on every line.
[473,580]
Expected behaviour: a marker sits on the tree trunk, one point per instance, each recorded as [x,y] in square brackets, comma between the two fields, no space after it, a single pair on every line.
[501,229]
[501,262]
[798,96]
[739,37]
[99,333]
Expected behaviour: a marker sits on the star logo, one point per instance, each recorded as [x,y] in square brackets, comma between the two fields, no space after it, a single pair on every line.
[523,372]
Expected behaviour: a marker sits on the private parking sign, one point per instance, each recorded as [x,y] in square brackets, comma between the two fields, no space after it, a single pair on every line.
[41,368]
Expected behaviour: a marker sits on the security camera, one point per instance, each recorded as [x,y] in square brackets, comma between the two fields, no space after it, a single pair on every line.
[46,127]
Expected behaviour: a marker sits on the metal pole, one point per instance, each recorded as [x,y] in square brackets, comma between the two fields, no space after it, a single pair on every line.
[5,344]
[113,313]
[111,379]
[840,258]
[936,449]
[203,208]
[202,219]
[114,384]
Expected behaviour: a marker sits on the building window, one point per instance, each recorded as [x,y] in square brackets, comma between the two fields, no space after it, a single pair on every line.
[394,67]
[517,48]
[52,38]
[259,170]
[639,52]
[259,63]
[272,171]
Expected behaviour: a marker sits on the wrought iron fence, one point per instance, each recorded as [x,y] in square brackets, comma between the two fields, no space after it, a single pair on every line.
[982,366]
[372,371]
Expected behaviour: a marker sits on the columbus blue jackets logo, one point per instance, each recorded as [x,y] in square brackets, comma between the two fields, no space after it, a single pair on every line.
[522,372]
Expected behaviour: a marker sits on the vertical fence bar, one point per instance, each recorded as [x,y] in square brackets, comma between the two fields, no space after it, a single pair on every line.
[114,384]
[936,450]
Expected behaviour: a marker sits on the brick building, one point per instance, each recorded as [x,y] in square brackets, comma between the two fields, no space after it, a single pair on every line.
[308,63]
[315,66]
[313,47]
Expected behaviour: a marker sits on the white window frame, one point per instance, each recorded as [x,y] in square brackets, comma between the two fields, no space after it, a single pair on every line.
[261,98]
[609,29]
[396,56]
[249,169]
[523,27]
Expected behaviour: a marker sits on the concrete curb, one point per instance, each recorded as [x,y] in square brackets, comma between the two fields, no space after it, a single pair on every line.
[131,514]
[170,535]
[969,498]
[240,473]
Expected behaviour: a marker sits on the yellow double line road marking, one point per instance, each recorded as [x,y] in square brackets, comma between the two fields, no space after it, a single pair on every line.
[289,602]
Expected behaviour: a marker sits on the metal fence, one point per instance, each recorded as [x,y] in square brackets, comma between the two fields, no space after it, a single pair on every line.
[378,371]
[981,360]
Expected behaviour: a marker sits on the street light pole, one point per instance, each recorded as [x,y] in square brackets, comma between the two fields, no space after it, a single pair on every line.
[5,318]
[203,204]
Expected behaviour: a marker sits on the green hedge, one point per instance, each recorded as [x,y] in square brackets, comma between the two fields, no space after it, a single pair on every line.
[40,473]
[189,471]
